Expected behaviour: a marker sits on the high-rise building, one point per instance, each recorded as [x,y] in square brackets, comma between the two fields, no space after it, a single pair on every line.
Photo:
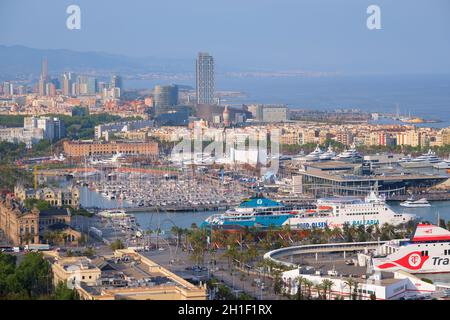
[116,82]
[164,97]
[8,88]
[87,85]
[67,84]
[53,128]
[42,87]
[44,78]
[205,78]
[44,69]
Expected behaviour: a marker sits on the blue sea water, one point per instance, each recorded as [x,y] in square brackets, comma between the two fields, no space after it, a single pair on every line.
[426,96]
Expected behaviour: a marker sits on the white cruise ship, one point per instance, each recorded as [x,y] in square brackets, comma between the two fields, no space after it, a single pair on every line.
[335,212]
[428,251]
[349,155]
[425,160]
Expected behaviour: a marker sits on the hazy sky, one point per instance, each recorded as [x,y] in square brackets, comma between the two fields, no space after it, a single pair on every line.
[315,35]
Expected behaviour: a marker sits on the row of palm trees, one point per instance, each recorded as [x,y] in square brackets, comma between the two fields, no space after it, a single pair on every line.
[323,290]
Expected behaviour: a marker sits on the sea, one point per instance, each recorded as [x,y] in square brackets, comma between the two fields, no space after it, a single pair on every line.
[425,96]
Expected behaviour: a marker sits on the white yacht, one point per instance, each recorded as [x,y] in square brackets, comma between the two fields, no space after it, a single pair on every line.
[445,164]
[425,160]
[405,159]
[349,155]
[328,155]
[114,213]
[410,203]
[315,155]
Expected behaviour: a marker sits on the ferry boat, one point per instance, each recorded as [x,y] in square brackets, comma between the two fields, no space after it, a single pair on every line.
[411,203]
[428,251]
[329,212]
[349,155]
[336,212]
[254,212]
[425,160]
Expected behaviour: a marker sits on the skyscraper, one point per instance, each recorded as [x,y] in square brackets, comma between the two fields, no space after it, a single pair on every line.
[164,97]
[205,78]
[44,69]
[44,78]
[67,84]
[87,85]
[116,82]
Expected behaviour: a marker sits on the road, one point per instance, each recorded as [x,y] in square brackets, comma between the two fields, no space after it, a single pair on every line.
[177,262]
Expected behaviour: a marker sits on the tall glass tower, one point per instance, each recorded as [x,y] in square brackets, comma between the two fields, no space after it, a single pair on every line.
[205,79]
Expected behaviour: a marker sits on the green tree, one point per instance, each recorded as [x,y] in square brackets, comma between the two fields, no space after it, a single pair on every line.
[32,275]
[199,246]
[327,285]
[117,245]
[277,282]
[7,268]
[308,284]
[63,293]
[300,282]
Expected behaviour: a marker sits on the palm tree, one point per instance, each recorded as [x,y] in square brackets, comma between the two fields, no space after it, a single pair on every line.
[327,285]
[300,281]
[355,295]
[318,288]
[337,233]
[351,283]
[328,234]
[277,282]
[308,284]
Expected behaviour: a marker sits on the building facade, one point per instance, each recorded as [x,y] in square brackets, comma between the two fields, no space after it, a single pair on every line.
[22,226]
[205,79]
[90,148]
[164,97]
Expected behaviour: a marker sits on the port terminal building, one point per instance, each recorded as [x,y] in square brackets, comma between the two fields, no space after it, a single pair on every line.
[339,178]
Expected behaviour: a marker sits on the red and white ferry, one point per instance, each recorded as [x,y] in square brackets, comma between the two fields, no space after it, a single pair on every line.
[428,251]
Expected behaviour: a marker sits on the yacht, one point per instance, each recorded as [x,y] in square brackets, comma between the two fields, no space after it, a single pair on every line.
[425,160]
[315,155]
[349,155]
[410,203]
[113,213]
[407,158]
[328,155]
[445,164]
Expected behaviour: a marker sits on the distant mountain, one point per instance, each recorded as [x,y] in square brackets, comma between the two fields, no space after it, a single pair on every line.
[20,60]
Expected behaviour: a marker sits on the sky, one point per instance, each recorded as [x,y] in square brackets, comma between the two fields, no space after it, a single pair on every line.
[310,35]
